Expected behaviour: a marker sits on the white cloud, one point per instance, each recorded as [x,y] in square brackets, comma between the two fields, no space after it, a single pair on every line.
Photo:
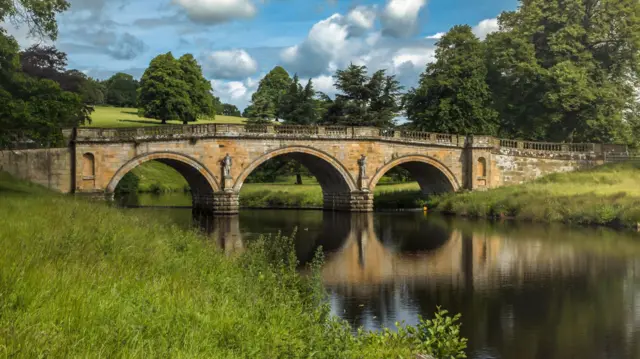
[217,11]
[416,57]
[485,27]
[326,42]
[400,17]
[361,18]
[436,36]
[230,64]
[235,92]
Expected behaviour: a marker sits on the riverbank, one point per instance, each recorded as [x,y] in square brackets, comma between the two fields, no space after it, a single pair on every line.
[607,195]
[83,279]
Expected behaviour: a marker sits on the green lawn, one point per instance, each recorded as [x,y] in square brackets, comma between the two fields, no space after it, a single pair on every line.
[85,280]
[606,195]
[109,117]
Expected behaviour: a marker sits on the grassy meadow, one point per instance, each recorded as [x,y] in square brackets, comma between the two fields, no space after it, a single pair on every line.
[606,195]
[111,117]
[85,280]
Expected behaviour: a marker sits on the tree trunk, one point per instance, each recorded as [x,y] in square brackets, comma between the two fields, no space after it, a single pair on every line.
[298,178]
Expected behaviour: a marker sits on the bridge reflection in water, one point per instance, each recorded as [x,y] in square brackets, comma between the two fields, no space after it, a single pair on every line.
[537,292]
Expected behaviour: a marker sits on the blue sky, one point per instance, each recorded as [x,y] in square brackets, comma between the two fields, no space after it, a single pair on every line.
[238,41]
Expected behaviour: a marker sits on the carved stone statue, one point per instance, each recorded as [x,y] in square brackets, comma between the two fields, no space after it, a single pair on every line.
[226,165]
[362,162]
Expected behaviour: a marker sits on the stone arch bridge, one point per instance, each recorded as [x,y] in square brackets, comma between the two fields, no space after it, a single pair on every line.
[348,162]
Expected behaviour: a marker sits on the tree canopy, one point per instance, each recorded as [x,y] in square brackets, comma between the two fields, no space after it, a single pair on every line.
[453,95]
[175,89]
[265,102]
[121,90]
[566,70]
[34,105]
[364,100]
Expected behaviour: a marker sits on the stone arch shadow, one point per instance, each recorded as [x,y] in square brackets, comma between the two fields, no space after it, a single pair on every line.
[336,181]
[201,181]
[432,175]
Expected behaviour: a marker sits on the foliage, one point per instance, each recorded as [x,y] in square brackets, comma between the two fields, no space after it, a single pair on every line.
[160,291]
[566,70]
[163,92]
[606,195]
[453,95]
[230,110]
[122,90]
[298,105]
[33,107]
[39,16]
[265,102]
[199,88]
[363,100]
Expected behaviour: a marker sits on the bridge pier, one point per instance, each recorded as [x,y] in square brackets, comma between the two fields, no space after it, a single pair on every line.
[217,202]
[355,201]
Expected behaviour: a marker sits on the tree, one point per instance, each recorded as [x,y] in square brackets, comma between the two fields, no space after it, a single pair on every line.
[247,111]
[262,109]
[35,107]
[163,94]
[122,90]
[566,70]
[269,95]
[230,110]
[364,100]
[199,88]
[39,16]
[453,95]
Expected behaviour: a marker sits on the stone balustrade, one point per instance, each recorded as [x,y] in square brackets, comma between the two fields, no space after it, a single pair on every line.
[195,132]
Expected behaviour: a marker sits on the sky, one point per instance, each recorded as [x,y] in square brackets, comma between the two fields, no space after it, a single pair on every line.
[238,41]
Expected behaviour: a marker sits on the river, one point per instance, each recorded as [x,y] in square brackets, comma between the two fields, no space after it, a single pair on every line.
[524,291]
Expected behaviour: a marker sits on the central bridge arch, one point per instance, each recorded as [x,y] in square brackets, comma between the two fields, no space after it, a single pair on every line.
[336,181]
[202,183]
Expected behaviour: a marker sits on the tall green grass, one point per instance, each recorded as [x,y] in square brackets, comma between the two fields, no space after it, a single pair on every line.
[607,195]
[84,280]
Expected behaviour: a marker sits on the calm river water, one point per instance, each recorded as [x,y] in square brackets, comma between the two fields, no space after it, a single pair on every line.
[524,291]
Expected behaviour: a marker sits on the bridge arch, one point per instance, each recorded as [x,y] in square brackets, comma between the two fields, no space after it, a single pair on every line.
[433,176]
[330,173]
[202,183]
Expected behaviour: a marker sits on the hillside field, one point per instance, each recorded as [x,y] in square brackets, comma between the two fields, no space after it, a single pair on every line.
[110,117]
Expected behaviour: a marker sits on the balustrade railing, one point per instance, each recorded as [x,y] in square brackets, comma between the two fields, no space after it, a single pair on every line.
[226,130]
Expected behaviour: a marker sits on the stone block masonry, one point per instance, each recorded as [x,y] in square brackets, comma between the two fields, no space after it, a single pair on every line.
[51,168]
[348,162]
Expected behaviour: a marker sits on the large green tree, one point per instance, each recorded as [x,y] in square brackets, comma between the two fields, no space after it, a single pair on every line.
[298,104]
[364,100]
[230,110]
[566,70]
[453,95]
[199,87]
[33,108]
[122,90]
[163,92]
[265,102]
